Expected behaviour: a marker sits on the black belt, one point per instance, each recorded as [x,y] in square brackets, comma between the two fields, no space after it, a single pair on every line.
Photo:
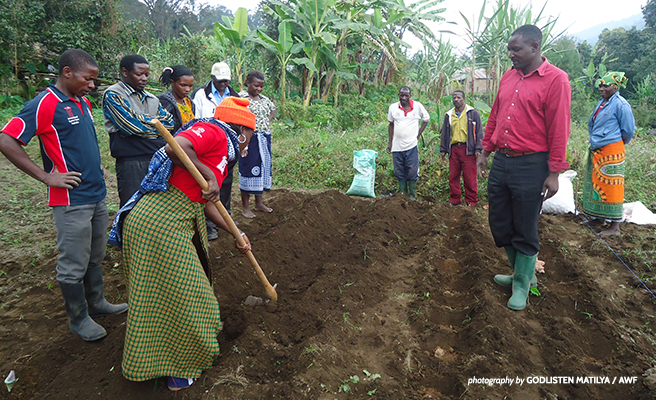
[458,144]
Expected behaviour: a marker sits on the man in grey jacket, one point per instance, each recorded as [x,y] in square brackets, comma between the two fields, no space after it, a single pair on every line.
[462,136]
[128,109]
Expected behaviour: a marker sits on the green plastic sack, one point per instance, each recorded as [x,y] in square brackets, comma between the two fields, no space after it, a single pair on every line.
[364,162]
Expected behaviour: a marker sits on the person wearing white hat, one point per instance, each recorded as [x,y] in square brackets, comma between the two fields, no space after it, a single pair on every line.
[206,98]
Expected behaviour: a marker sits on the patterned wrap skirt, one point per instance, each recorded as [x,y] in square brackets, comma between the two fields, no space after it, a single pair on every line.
[603,189]
[174,316]
[255,169]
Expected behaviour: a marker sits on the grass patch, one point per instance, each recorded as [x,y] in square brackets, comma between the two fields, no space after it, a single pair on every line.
[321,158]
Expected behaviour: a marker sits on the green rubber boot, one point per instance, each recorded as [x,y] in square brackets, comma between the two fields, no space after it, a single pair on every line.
[403,187]
[412,190]
[524,272]
[507,280]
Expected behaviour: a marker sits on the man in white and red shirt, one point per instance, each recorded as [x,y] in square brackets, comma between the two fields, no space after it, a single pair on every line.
[61,118]
[404,131]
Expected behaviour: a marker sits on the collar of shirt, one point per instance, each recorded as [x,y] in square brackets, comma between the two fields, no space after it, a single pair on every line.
[540,71]
[532,113]
[613,97]
[217,96]
[609,123]
[464,111]
[61,96]
[140,94]
[412,107]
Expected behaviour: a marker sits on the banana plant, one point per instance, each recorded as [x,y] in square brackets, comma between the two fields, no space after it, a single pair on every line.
[311,22]
[283,49]
[473,30]
[235,34]
[411,18]
[353,21]
[400,18]
[592,73]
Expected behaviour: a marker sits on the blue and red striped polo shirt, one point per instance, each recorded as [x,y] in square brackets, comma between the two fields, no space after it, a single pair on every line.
[68,142]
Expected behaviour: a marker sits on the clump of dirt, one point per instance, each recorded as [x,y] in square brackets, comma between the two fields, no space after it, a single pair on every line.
[385,298]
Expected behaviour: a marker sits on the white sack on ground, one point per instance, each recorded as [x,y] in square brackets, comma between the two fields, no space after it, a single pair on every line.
[637,213]
[563,201]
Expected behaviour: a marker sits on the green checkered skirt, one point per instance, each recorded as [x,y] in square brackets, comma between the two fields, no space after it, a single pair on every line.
[174,316]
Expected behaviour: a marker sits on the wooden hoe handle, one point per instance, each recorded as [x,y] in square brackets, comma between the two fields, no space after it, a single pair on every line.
[270,291]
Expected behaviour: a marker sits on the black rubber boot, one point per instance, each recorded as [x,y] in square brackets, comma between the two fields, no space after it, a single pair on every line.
[95,295]
[78,318]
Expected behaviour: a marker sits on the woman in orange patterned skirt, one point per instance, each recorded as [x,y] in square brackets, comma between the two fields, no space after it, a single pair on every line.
[611,126]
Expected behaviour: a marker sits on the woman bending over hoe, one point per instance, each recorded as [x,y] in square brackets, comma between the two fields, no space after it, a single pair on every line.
[174,318]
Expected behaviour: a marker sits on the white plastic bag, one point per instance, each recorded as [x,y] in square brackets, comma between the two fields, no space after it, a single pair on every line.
[563,201]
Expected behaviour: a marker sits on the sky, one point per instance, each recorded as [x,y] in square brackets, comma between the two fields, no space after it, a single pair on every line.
[573,15]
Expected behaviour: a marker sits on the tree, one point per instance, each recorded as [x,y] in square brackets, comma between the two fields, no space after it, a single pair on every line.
[208,15]
[585,52]
[649,13]
[37,31]
[435,67]
[235,34]
[400,18]
[354,20]
[283,49]
[22,21]
[626,46]
[169,17]
[491,42]
[565,56]
[311,21]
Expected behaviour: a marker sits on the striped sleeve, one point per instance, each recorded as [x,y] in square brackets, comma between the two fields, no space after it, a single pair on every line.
[130,123]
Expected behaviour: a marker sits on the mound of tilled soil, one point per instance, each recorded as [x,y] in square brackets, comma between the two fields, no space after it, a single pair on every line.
[385,298]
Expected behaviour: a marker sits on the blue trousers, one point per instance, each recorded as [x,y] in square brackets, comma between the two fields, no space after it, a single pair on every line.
[406,164]
[513,189]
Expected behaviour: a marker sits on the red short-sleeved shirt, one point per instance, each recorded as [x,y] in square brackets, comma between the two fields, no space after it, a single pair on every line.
[211,146]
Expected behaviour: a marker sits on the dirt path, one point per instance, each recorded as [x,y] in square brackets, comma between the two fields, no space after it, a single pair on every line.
[380,299]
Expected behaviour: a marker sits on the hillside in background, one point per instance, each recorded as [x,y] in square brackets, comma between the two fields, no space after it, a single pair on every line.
[592,34]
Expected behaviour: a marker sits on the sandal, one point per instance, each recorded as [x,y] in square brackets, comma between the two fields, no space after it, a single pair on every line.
[176,384]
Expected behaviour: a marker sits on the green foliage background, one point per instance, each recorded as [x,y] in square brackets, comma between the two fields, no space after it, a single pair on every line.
[360,59]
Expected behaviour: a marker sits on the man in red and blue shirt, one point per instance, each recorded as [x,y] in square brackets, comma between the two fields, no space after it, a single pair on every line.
[61,118]
[528,127]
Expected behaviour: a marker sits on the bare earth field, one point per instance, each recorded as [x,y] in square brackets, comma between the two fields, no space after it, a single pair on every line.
[379,299]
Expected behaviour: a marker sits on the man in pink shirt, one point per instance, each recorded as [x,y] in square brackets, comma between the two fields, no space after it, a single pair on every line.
[528,128]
